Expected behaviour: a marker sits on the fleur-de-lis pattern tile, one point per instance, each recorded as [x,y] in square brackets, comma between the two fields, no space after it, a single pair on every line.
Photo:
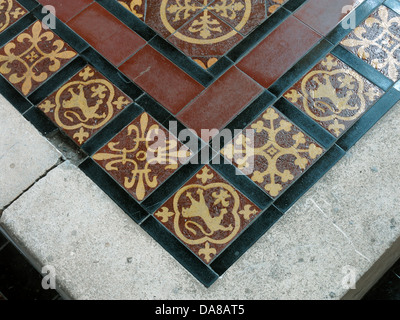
[377,41]
[334,95]
[272,152]
[10,12]
[32,57]
[203,29]
[207,214]
[84,104]
[142,156]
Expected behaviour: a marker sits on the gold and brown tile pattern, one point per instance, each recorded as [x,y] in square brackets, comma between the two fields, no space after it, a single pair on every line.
[377,41]
[10,12]
[32,57]
[203,29]
[142,156]
[276,155]
[207,214]
[85,104]
[334,95]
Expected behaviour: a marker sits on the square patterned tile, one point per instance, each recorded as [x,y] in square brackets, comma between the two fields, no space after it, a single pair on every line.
[334,95]
[142,156]
[207,214]
[203,29]
[32,57]
[10,12]
[277,154]
[377,41]
[84,104]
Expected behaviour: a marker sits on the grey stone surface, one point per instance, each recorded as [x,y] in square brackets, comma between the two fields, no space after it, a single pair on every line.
[345,223]
[24,154]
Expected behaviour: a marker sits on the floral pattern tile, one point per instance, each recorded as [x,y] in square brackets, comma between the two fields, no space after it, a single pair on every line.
[32,57]
[334,95]
[272,152]
[10,12]
[142,156]
[84,104]
[377,41]
[207,214]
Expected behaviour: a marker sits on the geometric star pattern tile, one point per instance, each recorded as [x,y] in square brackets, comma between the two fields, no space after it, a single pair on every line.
[377,42]
[32,57]
[207,213]
[274,153]
[85,104]
[334,95]
[142,156]
[203,29]
[10,12]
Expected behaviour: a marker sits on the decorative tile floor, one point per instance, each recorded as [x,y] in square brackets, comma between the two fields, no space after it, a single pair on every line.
[273,93]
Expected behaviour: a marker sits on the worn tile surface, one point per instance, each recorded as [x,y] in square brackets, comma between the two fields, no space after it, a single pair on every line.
[85,104]
[274,153]
[377,41]
[142,156]
[32,57]
[67,9]
[334,95]
[207,213]
[10,12]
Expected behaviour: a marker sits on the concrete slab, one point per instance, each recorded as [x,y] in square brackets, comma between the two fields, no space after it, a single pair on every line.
[25,155]
[341,230]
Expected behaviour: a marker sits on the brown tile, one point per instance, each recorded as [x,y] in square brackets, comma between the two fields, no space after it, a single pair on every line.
[114,40]
[207,214]
[334,95]
[205,62]
[162,79]
[32,57]
[274,153]
[273,5]
[67,9]
[10,12]
[221,102]
[279,51]
[84,104]
[324,15]
[142,156]
[137,7]
[377,41]
[205,35]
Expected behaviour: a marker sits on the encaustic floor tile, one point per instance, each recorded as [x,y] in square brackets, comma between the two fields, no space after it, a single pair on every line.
[203,28]
[377,41]
[142,156]
[273,152]
[10,12]
[334,95]
[85,104]
[207,214]
[32,57]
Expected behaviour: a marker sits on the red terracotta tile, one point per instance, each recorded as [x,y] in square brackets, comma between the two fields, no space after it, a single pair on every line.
[106,33]
[10,12]
[32,57]
[221,102]
[67,9]
[279,51]
[162,79]
[207,214]
[84,104]
[142,156]
[324,15]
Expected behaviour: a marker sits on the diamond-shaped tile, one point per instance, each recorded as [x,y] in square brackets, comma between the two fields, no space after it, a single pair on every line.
[142,156]
[273,152]
[84,104]
[377,41]
[10,12]
[334,95]
[32,57]
[207,214]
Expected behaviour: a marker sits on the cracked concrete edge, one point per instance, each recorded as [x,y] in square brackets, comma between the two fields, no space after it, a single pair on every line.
[25,155]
